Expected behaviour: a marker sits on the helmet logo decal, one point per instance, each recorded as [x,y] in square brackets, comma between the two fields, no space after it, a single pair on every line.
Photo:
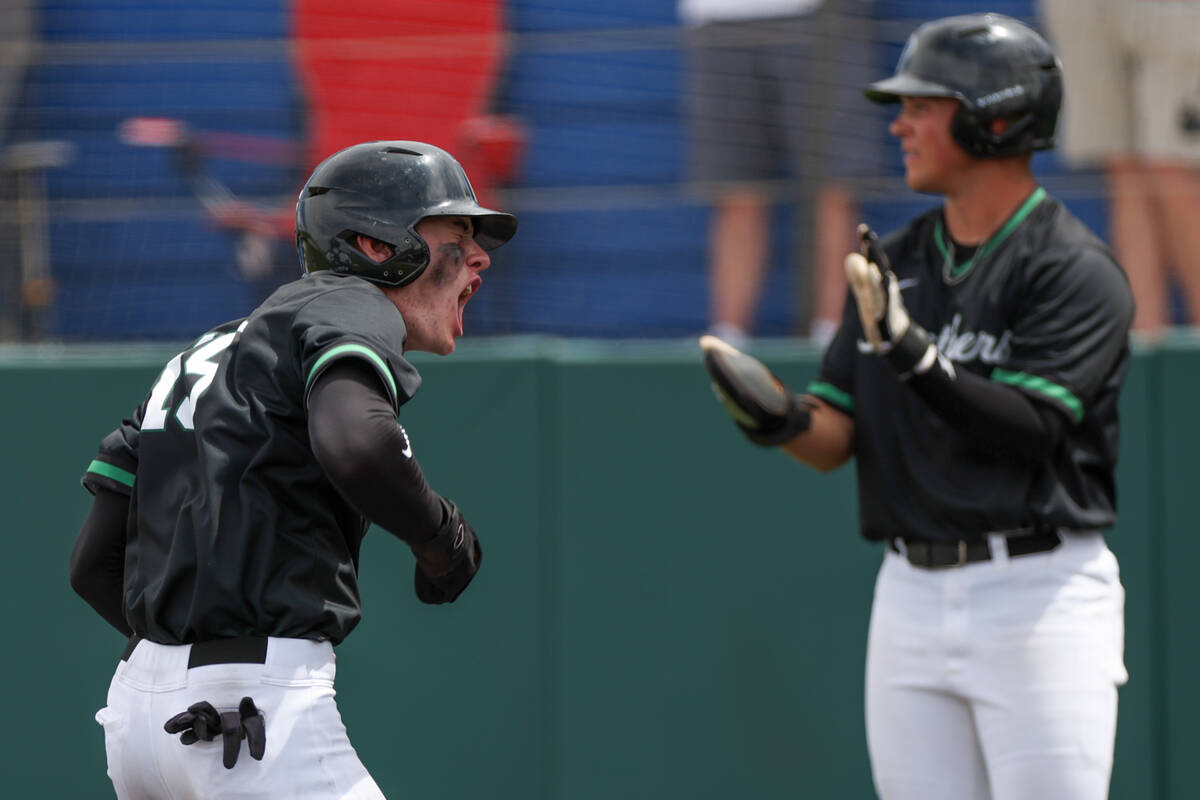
[339,259]
[407,451]
[999,96]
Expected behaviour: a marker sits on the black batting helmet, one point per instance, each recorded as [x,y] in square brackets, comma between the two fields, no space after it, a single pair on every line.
[382,190]
[996,67]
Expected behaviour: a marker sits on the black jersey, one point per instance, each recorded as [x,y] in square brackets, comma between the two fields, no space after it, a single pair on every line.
[234,528]
[1041,306]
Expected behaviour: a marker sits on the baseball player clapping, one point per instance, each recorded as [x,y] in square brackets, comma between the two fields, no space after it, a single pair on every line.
[974,381]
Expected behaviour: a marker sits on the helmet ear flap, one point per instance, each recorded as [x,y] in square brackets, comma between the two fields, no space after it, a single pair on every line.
[964,127]
[974,133]
[410,258]
[408,263]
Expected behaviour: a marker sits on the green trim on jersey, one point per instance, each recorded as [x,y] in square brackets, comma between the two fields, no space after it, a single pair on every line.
[1041,386]
[827,391]
[360,350]
[109,471]
[958,271]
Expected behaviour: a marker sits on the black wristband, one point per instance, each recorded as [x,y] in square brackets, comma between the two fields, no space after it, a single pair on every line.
[914,354]
[797,420]
[440,551]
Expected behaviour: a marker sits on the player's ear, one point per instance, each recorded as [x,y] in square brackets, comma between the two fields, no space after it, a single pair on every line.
[374,249]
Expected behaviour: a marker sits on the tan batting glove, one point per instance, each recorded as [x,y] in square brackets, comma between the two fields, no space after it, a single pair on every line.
[880,306]
[885,321]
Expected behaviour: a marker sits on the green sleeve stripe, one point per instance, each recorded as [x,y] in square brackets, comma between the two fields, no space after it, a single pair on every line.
[1041,386]
[109,471]
[357,349]
[827,391]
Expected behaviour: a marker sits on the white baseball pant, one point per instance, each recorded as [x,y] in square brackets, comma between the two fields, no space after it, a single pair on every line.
[996,680]
[308,754]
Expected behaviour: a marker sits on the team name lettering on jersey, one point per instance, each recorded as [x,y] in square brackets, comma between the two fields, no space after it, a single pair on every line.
[966,346]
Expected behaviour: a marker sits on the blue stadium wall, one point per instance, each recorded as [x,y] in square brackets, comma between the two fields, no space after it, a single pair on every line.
[609,246]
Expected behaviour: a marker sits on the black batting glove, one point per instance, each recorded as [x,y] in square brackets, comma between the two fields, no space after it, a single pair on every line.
[447,562]
[200,723]
[203,723]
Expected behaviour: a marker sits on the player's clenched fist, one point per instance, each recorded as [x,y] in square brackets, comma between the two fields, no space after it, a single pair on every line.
[447,562]
[885,321]
[762,406]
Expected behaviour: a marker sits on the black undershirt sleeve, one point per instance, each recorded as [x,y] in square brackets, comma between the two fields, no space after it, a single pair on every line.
[362,448]
[98,558]
[1000,418]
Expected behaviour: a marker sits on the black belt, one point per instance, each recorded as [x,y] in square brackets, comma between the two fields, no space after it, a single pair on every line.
[241,650]
[933,554]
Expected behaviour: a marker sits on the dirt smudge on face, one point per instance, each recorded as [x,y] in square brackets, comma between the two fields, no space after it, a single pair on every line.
[445,266]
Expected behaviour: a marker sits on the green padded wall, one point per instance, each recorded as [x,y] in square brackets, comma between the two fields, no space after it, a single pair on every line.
[664,610]
[1135,771]
[1179,550]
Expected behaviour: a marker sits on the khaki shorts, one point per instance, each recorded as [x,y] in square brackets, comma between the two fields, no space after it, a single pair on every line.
[774,97]
[1132,77]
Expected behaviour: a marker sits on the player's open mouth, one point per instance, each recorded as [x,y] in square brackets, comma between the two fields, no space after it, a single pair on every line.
[467,293]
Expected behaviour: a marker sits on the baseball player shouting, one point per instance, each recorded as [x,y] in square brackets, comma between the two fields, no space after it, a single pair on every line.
[224,532]
[974,380]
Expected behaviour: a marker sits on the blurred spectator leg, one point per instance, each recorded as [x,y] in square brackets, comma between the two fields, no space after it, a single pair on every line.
[1134,233]
[10,267]
[737,260]
[17,45]
[31,281]
[834,239]
[1178,188]
[37,287]
[839,148]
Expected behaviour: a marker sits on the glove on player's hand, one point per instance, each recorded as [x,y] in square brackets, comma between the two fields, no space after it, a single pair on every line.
[761,405]
[447,562]
[885,321]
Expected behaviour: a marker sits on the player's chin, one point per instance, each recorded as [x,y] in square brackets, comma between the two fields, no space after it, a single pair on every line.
[450,340]
[913,178]
[444,346]
[919,182]
[440,342]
